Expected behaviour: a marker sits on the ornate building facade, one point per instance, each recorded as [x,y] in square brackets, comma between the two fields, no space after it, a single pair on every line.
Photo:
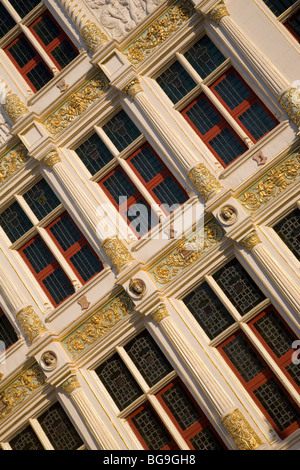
[149,213]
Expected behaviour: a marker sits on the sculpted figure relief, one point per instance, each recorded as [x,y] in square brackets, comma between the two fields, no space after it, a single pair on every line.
[118,17]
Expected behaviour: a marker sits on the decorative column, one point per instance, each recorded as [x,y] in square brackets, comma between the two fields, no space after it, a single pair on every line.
[14,107]
[289,97]
[90,33]
[233,420]
[91,418]
[281,279]
[114,247]
[206,183]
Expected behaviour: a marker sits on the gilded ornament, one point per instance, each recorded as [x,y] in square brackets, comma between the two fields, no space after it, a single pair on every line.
[218,12]
[205,182]
[228,215]
[133,88]
[160,313]
[159,31]
[270,186]
[12,161]
[290,101]
[241,432]
[77,104]
[49,360]
[70,385]
[251,240]
[93,36]
[137,287]
[14,107]
[117,252]
[31,324]
[98,324]
[52,159]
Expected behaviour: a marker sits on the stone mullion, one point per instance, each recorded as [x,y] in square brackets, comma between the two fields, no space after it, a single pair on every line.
[90,416]
[232,418]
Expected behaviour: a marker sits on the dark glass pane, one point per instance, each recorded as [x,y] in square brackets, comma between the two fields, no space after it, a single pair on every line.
[141,217]
[119,382]
[257,121]
[23,7]
[58,285]
[59,429]
[87,263]
[279,6]
[15,222]
[232,91]
[26,440]
[94,154]
[38,255]
[275,334]
[119,186]
[277,404]
[203,115]
[41,199]
[206,440]
[39,76]
[243,358]
[22,51]
[227,146]
[208,310]
[64,53]
[47,30]
[147,164]
[293,370]
[121,131]
[6,21]
[181,406]
[7,332]
[148,358]
[169,193]
[176,82]
[65,232]
[151,429]
[239,287]
[289,231]
[294,24]
[205,57]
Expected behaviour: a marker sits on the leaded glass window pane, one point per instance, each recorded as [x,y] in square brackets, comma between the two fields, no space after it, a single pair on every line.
[147,164]
[6,21]
[119,382]
[205,57]
[279,6]
[169,193]
[86,262]
[24,6]
[94,154]
[275,334]
[176,82]
[208,310]
[289,231]
[64,53]
[65,232]
[121,130]
[151,429]
[277,404]
[58,285]
[7,332]
[181,406]
[38,255]
[206,440]
[239,287]
[41,199]
[15,222]
[39,76]
[59,429]
[148,358]
[293,370]
[47,30]
[227,146]
[257,121]
[26,440]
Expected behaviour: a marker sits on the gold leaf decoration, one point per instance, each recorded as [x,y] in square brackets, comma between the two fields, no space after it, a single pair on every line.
[12,161]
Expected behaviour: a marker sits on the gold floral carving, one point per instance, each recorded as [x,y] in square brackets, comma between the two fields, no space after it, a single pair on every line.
[93,36]
[31,324]
[77,103]
[100,323]
[160,313]
[133,88]
[271,185]
[205,182]
[251,240]
[187,252]
[52,159]
[159,31]
[117,252]
[241,431]
[218,12]
[12,161]
[14,107]
[70,385]
[21,389]
[290,101]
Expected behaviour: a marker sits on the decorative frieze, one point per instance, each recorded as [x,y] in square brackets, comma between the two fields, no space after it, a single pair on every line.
[77,104]
[98,324]
[12,161]
[241,432]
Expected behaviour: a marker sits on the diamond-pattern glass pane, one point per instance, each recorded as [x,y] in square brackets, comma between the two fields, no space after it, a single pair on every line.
[41,199]
[277,404]
[289,231]
[239,287]
[119,382]
[148,358]
[59,429]
[26,440]
[151,429]
[208,310]
[206,440]
[243,357]
[181,406]
[275,334]
[15,222]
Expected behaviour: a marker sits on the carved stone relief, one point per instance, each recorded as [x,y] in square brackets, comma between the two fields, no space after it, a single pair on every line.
[118,17]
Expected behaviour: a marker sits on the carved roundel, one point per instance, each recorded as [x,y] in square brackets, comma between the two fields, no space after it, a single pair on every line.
[49,360]
[228,215]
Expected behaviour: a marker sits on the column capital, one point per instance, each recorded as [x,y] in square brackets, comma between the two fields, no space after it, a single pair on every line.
[205,182]
[30,322]
[52,159]
[93,36]
[251,240]
[133,88]
[159,313]
[117,252]
[13,105]
[70,385]
[218,12]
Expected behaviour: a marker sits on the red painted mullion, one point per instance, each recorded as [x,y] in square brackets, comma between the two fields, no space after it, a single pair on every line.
[30,65]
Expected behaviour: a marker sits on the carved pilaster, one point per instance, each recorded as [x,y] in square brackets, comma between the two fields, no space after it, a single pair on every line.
[251,240]
[160,313]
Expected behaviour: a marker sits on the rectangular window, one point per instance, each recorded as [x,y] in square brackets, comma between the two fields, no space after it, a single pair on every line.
[289,231]
[8,336]
[288,12]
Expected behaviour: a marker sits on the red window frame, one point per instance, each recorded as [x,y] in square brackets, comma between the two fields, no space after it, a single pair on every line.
[257,381]
[245,105]
[56,42]
[284,360]
[30,65]
[49,269]
[77,246]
